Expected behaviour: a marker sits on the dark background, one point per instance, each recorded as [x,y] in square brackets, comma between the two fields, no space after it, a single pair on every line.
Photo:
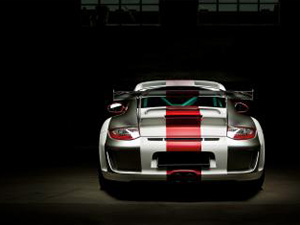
[58,78]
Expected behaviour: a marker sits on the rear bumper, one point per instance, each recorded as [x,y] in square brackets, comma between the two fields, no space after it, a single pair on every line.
[233,160]
[126,177]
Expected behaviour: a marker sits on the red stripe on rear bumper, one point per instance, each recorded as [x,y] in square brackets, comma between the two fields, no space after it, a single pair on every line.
[171,172]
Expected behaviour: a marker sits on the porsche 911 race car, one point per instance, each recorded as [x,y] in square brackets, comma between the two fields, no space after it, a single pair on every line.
[181,131]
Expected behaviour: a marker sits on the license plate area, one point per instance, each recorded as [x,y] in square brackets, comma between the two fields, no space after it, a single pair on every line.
[183,160]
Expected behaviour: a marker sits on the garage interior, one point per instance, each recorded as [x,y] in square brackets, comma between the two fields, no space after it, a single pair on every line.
[59,71]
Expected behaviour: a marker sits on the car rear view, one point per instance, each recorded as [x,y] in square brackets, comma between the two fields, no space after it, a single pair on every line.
[181,131]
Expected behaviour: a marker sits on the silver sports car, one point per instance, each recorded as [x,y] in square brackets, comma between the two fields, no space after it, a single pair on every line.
[181,131]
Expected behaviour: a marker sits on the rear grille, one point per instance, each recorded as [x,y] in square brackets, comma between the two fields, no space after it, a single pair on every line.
[183,160]
[123,160]
[241,159]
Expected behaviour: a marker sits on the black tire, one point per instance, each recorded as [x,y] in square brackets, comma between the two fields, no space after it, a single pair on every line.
[256,185]
[104,183]
[110,185]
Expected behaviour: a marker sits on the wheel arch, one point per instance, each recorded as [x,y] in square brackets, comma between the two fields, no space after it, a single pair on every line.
[261,138]
[102,141]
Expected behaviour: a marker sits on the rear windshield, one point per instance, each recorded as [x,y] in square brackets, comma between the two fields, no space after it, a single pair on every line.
[183,101]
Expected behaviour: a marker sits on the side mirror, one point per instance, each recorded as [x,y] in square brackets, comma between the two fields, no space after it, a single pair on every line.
[116,108]
[241,107]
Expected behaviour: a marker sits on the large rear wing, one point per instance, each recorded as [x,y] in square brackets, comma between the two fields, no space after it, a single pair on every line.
[235,95]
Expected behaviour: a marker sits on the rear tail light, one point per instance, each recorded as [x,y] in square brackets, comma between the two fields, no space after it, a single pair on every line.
[241,133]
[124,133]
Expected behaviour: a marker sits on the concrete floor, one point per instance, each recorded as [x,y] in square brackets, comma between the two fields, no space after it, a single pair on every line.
[71,195]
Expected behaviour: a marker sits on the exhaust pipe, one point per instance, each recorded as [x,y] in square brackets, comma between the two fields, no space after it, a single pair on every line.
[184,176]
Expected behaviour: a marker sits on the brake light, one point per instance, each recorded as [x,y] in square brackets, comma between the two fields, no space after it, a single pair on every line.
[241,133]
[124,133]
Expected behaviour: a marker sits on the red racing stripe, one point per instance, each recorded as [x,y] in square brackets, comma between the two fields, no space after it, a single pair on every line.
[183,132]
[171,172]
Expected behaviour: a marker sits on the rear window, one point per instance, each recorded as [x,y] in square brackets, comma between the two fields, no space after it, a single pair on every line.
[183,101]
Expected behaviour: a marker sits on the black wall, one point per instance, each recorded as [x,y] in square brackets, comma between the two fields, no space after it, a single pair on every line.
[59,77]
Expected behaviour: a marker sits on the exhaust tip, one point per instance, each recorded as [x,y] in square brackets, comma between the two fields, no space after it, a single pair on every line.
[182,176]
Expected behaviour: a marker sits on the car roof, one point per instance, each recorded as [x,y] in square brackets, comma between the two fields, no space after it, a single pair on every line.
[179,83]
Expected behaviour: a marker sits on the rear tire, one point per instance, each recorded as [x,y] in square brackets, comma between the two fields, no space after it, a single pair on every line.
[256,185]
[104,183]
